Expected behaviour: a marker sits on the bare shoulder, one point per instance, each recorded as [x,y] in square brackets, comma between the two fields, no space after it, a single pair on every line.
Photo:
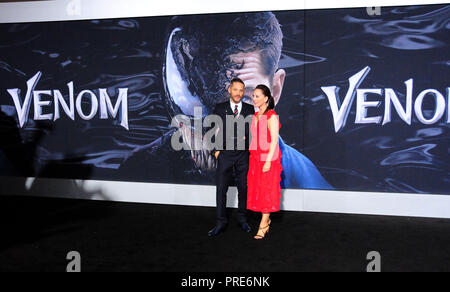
[272,113]
[274,122]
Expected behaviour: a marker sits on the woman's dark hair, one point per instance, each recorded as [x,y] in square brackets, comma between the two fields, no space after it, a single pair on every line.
[266,92]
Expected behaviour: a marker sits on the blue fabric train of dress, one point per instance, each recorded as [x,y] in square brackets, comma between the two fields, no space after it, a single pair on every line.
[298,171]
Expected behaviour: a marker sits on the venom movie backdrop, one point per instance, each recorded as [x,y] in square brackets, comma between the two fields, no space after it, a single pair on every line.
[363,98]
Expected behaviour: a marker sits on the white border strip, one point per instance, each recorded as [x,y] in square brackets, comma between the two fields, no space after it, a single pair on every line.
[59,10]
[391,204]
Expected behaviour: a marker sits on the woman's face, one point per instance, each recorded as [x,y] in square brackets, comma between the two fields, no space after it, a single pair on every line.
[258,98]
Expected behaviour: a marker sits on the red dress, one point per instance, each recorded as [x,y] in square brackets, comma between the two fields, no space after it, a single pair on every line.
[263,188]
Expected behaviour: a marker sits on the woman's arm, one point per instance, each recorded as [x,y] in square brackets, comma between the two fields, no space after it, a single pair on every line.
[274,131]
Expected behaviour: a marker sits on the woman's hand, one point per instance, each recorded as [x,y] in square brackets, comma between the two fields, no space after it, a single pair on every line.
[266,167]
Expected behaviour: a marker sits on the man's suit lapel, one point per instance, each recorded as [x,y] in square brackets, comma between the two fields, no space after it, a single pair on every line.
[244,111]
[227,109]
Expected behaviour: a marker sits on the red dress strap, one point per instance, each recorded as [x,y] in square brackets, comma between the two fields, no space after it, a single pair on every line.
[270,113]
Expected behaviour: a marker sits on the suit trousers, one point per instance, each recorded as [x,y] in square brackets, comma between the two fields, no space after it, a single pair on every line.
[229,162]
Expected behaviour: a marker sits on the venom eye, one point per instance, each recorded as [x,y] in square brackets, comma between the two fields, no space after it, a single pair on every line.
[177,87]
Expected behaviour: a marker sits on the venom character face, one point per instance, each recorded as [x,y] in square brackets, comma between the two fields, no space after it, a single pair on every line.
[204,53]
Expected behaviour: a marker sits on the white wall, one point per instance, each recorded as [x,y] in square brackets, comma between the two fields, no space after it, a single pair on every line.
[294,200]
[437,206]
[95,9]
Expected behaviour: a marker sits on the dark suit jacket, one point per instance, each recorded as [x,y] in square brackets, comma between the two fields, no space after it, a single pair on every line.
[224,109]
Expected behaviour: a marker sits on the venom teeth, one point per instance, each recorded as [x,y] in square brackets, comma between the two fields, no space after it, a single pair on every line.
[210,162]
[202,158]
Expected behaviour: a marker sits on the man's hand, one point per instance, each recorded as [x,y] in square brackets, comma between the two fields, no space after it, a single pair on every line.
[217,154]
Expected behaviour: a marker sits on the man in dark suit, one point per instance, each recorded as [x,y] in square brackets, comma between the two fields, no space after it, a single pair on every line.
[236,158]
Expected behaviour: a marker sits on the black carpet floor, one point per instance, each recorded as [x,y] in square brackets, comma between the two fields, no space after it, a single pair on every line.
[37,234]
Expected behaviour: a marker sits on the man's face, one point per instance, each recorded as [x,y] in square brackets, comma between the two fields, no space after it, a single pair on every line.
[236,91]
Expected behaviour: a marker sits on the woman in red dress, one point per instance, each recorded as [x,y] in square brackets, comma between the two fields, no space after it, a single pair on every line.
[264,175]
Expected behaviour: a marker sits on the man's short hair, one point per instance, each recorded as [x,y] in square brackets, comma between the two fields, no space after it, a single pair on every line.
[236,80]
[203,46]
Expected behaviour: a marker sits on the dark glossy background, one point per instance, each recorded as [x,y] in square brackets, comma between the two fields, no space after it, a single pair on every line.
[321,48]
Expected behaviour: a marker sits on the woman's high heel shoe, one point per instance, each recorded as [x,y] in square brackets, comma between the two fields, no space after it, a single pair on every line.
[264,233]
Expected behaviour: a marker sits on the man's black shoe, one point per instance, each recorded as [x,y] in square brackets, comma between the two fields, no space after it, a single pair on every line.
[216,230]
[244,226]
